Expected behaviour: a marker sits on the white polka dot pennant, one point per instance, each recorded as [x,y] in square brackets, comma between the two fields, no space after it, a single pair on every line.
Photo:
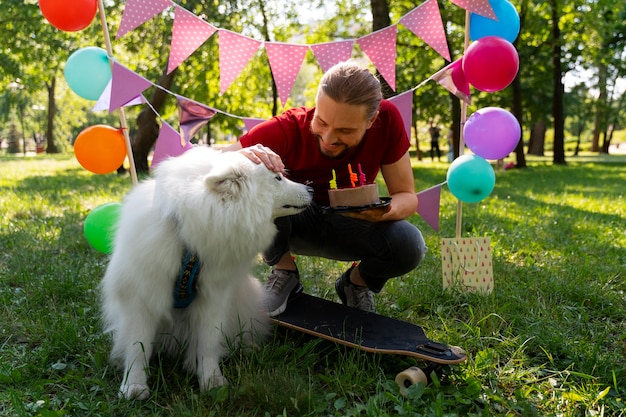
[137,12]
[188,34]
[380,47]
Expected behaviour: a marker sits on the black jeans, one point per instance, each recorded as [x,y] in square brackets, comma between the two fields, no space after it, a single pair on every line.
[385,249]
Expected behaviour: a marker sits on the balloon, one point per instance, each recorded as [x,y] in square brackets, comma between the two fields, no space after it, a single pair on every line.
[492,132]
[507,25]
[470,178]
[99,227]
[100,149]
[490,63]
[70,16]
[88,71]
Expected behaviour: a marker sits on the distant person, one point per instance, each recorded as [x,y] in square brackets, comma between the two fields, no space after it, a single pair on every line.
[434,132]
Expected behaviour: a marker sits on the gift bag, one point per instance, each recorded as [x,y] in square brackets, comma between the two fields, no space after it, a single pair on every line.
[467,264]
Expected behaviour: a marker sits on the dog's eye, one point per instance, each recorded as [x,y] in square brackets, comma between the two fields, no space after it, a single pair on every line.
[278,177]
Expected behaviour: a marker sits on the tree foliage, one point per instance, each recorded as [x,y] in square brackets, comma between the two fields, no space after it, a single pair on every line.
[556,38]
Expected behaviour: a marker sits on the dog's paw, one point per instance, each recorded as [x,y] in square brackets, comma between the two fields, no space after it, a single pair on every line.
[213,382]
[134,391]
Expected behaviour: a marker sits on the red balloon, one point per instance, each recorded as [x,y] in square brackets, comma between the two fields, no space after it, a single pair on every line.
[70,16]
[490,63]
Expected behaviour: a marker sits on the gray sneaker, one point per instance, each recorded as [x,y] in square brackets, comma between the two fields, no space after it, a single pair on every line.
[278,286]
[353,295]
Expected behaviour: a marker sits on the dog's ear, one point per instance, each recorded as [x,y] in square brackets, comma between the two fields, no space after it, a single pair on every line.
[228,182]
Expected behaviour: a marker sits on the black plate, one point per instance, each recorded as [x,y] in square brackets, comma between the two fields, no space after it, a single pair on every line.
[384,202]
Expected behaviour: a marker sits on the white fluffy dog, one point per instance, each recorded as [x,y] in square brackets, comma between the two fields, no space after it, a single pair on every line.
[220,207]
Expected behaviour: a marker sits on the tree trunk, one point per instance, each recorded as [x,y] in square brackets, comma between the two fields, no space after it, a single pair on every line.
[600,110]
[380,20]
[455,126]
[147,126]
[537,139]
[558,89]
[266,35]
[50,145]
[518,112]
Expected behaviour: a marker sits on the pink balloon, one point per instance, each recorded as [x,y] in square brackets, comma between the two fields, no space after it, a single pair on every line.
[490,63]
[492,132]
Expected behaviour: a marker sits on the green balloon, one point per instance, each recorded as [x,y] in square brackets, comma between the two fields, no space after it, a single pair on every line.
[471,178]
[100,225]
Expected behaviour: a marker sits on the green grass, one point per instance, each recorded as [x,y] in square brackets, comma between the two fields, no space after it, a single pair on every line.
[550,340]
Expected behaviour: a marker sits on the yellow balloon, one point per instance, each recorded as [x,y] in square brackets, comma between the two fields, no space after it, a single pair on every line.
[100,149]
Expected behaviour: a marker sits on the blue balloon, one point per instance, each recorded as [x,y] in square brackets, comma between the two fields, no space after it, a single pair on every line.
[88,71]
[507,26]
[471,178]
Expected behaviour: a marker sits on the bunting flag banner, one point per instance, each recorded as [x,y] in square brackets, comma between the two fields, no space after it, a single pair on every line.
[168,145]
[137,12]
[331,53]
[428,204]
[425,22]
[125,86]
[192,116]
[479,7]
[285,62]
[104,101]
[250,122]
[404,103]
[235,51]
[380,47]
[188,33]
[452,78]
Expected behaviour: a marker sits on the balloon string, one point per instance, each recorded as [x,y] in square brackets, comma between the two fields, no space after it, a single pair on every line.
[122,114]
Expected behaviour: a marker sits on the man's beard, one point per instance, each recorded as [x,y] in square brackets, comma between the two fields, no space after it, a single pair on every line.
[325,153]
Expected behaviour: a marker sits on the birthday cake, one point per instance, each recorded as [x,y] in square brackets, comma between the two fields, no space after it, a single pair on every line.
[364,195]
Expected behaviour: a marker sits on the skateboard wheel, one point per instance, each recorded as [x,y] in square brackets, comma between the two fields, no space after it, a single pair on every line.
[410,376]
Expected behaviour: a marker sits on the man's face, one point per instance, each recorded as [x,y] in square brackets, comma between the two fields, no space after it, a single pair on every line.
[338,127]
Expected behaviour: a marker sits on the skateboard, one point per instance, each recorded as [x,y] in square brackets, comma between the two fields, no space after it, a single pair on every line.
[369,332]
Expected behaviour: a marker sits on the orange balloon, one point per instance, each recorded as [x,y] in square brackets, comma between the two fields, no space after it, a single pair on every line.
[100,149]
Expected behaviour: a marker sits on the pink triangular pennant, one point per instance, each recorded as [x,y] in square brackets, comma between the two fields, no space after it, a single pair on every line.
[331,53]
[192,116]
[188,33]
[404,103]
[380,47]
[235,51]
[285,62]
[250,122]
[480,7]
[425,22]
[136,12]
[104,101]
[168,145]
[428,204]
[452,78]
[125,86]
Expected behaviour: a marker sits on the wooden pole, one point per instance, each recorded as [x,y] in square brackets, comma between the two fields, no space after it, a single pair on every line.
[459,204]
[122,115]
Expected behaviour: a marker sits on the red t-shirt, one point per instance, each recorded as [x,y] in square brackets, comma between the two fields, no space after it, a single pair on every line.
[289,135]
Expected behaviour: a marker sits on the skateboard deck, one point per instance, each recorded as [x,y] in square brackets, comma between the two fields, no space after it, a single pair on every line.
[369,332]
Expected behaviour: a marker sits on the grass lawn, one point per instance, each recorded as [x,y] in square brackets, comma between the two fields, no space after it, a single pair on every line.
[549,341]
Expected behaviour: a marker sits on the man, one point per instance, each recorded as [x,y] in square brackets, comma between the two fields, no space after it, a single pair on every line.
[350,124]
[435,132]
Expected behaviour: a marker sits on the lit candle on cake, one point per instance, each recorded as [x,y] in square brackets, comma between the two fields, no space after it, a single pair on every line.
[353,176]
[333,182]
[362,178]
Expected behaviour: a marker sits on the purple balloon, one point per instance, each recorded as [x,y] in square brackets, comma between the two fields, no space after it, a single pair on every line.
[492,132]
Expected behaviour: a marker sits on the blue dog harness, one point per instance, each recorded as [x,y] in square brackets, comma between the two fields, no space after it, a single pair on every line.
[185,288]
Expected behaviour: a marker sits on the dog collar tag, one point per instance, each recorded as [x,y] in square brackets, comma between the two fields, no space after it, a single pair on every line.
[185,288]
